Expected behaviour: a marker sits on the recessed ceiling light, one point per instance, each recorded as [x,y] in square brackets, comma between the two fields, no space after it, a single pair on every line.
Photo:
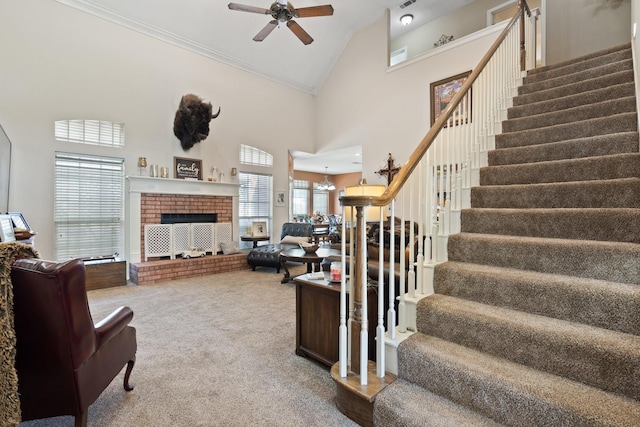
[406,19]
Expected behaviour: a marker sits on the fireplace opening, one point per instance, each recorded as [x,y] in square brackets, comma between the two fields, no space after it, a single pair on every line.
[173,218]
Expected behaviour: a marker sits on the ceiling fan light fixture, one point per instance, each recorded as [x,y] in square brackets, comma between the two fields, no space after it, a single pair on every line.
[406,19]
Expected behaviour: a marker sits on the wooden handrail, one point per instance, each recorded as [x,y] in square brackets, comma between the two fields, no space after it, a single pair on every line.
[399,180]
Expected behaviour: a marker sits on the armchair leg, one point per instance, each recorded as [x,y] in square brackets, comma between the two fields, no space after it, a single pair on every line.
[81,420]
[127,373]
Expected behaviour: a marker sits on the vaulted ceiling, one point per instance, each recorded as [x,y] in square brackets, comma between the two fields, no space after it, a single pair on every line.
[210,28]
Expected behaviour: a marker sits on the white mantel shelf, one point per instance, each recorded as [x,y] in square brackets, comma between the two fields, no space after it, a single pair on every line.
[138,185]
[145,184]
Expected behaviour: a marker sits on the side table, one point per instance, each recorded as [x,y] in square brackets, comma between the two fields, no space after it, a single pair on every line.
[318,319]
[311,259]
[255,240]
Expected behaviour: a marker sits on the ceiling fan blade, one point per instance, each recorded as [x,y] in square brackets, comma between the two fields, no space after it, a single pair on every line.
[266,31]
[306,12]
[252,9]
[299,32]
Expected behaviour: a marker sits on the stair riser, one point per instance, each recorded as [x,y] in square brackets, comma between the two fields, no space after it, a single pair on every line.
[588,74]
[573,89]
[616,262]
[587,169]
[626,122]
[578,353]
[591,111]
[568,102]
[593,224]
[603,145]
[608,305]
[577,67]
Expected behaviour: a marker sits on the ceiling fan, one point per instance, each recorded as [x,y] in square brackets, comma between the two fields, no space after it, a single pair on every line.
[283,11]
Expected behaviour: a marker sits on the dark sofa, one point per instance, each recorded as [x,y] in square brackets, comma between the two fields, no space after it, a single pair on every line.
[269,255]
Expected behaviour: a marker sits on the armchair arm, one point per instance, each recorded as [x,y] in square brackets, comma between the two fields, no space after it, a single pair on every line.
[113,324]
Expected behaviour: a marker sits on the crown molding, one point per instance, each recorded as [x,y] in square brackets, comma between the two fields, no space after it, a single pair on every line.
[181,42]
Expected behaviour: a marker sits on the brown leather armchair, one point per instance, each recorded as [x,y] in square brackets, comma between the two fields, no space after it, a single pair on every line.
[63,360]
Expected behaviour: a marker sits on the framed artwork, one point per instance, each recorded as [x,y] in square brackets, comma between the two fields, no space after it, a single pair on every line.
[184,168]
[6,229]
[259,229]
[442,93]
[281,198]
[18,220]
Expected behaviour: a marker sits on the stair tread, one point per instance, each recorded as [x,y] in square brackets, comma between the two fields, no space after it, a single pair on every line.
[594,223]
[615,143]
[616,261]
[403,403]
[603,108]
[582,59]
[612,166]
[559,80]
[520,393]
[615,193]
[565,297]
[577,88]
[575,350]
[624,122]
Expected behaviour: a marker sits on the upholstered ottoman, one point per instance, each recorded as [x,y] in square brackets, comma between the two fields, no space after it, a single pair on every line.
[265,256]
[269,255]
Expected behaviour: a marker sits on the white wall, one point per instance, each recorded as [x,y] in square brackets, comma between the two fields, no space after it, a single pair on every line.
[386,112]
[59,63]
[579,27]
[464,21]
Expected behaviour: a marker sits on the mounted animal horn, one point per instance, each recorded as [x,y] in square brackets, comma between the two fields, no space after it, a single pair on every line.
[191,124]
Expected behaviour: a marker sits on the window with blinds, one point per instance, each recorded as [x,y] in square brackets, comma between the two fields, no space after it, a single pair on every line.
[254,203]
[320,200]
[300,204]
[96,132]
[89,205]
[253,156]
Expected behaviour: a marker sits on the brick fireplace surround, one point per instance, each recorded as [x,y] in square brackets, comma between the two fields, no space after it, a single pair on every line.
[147,198]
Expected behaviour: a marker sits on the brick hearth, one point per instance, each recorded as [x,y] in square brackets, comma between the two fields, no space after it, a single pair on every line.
[172,269]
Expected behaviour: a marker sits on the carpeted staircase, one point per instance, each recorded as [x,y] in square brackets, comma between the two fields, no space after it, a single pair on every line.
[535,320]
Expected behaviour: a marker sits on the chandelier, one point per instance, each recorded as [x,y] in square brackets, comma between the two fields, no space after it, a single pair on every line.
[326,184]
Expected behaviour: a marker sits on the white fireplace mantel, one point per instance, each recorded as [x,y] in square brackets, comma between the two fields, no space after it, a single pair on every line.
[138,185]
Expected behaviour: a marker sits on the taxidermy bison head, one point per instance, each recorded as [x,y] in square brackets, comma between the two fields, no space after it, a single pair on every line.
[191,124]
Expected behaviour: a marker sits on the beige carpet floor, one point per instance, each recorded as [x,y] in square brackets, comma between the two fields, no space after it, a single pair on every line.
[213,351]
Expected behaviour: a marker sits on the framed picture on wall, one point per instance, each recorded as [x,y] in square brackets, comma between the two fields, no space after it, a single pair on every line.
[442,93]
[184,168]
[281,198]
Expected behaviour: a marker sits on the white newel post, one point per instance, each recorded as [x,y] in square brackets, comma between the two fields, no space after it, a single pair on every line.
[138,185]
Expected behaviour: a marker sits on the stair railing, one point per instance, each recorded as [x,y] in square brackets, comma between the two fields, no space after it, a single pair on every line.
[425,200]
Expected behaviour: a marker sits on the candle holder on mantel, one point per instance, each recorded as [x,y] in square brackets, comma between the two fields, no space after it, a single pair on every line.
[142,165]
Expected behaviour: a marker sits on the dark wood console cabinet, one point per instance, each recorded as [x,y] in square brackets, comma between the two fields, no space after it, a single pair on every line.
[318,319]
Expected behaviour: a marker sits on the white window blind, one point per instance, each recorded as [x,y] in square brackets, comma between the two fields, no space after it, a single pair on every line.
[300,197]
[89,205]
[96,132]
[254,203]
[320,200]
[253,156]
